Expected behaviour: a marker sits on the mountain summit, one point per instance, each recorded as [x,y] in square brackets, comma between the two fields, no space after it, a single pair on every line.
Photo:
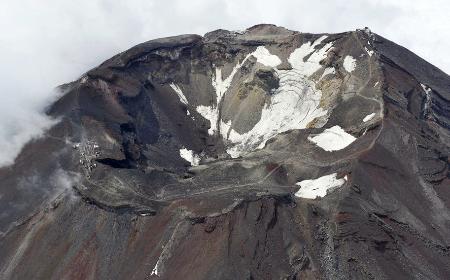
[261,154]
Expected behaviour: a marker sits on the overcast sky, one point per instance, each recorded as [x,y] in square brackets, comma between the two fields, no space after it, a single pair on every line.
[44,43]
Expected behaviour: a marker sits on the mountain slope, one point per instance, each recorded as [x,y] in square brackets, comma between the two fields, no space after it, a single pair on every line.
[263,154]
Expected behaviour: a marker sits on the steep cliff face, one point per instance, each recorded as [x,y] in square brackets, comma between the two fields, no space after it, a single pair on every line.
[262,154]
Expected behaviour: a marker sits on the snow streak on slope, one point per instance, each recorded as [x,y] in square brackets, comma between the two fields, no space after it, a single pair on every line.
[155,270]
[368,117]
[211,113]
[318,187]
[311,65]
[427,92]
[333,139]
[369,52]
[180,94]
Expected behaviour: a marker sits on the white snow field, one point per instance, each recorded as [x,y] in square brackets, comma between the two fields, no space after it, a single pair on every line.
[333,139]
[319,187]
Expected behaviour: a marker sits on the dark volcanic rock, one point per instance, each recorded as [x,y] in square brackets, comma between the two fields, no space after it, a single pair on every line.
[262,154]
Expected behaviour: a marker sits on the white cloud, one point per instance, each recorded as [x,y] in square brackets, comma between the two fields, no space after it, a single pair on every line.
[59,182]
[49,42]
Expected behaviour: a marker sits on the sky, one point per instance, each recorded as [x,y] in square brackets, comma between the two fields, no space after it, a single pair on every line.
[44,43]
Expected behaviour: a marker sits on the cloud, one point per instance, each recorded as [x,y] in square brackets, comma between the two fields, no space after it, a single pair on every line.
[49,42]
[59,182]
[63,182]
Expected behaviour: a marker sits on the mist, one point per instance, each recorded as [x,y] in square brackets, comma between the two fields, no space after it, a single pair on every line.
[50,42]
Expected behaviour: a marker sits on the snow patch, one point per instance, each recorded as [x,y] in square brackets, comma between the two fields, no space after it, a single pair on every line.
[155,269]
[221,85]
[349,63]
[263,56]
[369,52]
[190,156]
[311,65]
[368,117]
[333,139]
[179,92]
[376,84]
[319,187]
[211,114]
